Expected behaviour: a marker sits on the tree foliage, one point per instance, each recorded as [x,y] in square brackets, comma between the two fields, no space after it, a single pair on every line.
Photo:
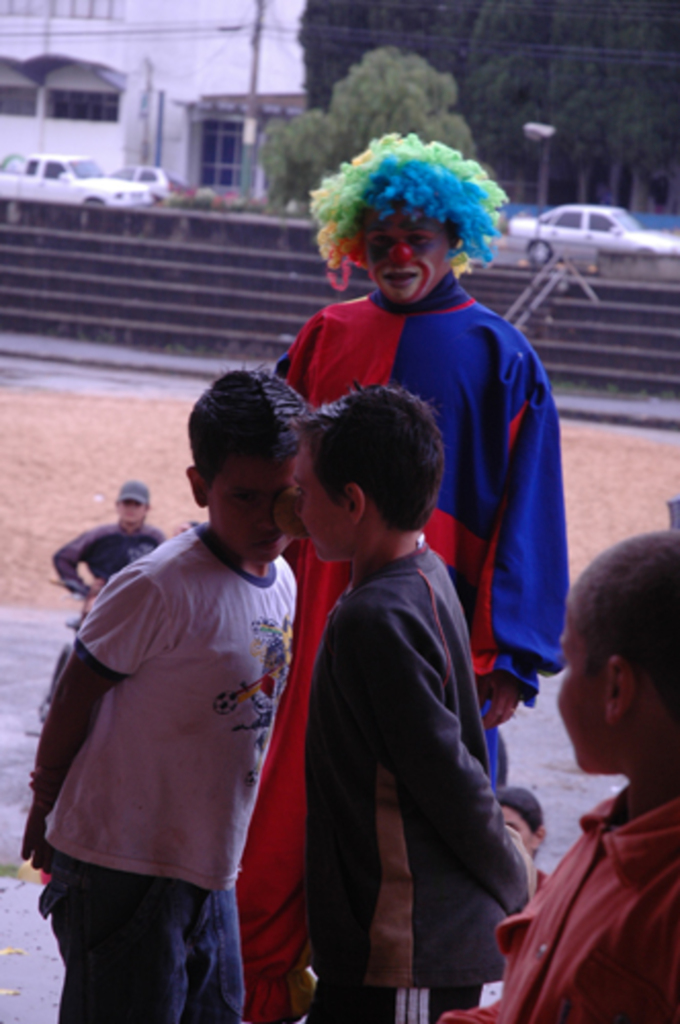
[335,35]
[505,89]
[387,92]
[295,156]
[606,73]
[579,99]
[644,98]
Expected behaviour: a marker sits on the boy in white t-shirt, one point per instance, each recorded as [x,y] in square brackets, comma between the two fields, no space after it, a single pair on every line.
[149,761]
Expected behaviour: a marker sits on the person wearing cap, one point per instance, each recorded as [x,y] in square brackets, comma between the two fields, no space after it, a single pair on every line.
[414,215]
[107,549]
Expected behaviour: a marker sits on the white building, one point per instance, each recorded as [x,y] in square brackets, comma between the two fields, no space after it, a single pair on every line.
[145,81]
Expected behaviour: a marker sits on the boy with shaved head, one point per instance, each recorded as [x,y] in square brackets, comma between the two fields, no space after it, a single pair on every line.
[601,939]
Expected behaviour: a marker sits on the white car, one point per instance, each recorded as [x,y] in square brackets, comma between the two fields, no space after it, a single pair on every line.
[54,178]
[570,230]
[160,183]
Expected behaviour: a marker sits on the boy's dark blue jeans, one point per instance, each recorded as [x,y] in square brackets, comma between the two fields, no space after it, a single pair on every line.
[143,950]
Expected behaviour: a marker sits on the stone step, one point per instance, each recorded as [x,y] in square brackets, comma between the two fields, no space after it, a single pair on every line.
[136,267]
[589,332]
[639,293]
[600,378]
[161,293]
[615,312]
[629,358]
[192,253]
[57,304]
[142,333]
[165,226]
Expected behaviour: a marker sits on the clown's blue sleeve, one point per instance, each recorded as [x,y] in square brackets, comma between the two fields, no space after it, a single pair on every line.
[519,611]
[499,523]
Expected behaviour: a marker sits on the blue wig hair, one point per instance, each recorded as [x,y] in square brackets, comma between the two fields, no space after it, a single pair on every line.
[439,194]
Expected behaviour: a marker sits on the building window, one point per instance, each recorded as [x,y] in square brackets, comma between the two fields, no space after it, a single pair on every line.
[18,100]
[221,154]
[108,10]
[82,106]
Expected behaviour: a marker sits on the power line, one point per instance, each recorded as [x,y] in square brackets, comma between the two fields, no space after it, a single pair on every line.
[139,31]
[411,41]
[626,11]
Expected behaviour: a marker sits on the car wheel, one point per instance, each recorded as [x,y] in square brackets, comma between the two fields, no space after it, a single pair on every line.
[92,201]
[539,252]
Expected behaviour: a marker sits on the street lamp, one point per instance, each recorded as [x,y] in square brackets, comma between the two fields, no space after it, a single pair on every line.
[541,133]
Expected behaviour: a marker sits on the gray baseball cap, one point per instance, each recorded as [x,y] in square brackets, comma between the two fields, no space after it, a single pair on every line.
[134,490]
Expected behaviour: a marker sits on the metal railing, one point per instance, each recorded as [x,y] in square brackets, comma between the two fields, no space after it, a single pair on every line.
[559,269]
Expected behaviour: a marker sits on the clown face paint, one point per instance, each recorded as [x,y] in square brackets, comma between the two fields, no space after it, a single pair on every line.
[407,254]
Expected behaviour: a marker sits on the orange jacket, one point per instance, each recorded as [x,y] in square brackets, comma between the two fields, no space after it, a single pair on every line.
[600,941]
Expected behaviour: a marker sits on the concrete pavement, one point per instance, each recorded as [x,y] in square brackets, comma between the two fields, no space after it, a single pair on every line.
[30,966]
[33,361]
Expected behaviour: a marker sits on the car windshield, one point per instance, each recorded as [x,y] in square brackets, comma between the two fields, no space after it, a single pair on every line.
[126,173]
[86,169]
[627,221]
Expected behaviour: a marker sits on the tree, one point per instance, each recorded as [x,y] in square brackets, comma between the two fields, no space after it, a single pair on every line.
[295,156]
[507,85]
[644,92]
[387,92]
[395,92]
[579,90]
[335,35]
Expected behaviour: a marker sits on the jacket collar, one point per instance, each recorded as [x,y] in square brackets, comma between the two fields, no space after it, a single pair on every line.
[639,848]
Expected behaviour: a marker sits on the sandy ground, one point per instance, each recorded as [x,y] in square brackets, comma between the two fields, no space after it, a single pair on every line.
[62,460]
[63,457]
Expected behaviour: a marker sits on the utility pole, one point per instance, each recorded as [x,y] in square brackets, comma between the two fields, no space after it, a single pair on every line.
[250,123]
[42,91]
[145,112]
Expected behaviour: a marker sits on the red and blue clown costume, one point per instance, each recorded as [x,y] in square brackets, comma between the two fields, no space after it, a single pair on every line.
[499,525]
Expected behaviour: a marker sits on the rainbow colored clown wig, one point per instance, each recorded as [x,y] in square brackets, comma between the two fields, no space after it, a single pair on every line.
[397,172]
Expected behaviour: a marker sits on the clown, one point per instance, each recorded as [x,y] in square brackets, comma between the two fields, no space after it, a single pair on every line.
[414,215]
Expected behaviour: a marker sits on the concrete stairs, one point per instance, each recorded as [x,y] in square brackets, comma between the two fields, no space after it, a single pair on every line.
[198,296]
[243,286]
[629,340]
[182,296]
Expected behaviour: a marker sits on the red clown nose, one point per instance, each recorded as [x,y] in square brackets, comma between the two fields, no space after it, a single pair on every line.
[401,253]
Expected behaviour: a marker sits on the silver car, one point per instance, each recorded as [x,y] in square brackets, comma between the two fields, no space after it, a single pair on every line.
[571,230]
[159,182]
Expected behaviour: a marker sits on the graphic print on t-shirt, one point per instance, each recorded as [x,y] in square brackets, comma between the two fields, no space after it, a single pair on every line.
[138,550]
[271,646]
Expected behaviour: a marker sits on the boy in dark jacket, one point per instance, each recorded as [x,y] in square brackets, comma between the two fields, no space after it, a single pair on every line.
[409,864]
[107,549]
